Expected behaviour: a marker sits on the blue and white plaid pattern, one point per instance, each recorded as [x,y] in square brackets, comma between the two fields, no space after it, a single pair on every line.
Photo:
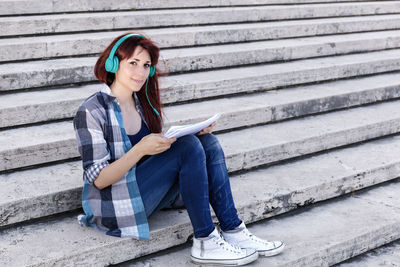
[118,209]
[93,171]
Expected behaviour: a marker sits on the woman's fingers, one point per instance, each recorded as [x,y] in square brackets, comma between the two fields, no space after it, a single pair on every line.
[164,144]
[171,140]
[155,143]
[207,130]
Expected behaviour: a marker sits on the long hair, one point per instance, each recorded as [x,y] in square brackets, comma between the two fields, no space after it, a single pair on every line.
[125,50]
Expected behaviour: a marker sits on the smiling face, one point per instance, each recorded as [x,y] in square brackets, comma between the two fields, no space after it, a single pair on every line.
[133,71]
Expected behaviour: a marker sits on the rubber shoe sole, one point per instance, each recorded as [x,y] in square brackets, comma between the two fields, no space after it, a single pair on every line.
[237,262]
[272,252]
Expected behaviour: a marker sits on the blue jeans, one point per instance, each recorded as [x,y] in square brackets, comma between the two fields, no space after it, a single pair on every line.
[195,167]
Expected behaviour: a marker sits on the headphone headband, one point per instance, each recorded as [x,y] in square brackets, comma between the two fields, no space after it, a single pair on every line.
[119,42]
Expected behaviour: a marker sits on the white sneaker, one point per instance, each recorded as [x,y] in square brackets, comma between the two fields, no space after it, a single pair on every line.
[243,238]
[215,250]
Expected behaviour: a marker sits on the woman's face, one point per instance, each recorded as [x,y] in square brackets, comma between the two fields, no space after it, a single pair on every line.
[133,71]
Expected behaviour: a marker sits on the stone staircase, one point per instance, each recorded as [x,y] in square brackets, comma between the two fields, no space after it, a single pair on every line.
[308,90]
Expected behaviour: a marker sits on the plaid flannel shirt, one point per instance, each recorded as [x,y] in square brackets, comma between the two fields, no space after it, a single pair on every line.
[116,210]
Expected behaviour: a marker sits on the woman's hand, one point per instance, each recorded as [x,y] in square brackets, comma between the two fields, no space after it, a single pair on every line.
[154,144]
[207,130]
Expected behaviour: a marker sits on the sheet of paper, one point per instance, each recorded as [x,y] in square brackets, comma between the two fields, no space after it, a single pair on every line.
[182,130]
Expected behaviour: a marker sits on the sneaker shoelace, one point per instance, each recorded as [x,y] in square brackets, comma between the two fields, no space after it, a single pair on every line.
[256,239]
[227,246]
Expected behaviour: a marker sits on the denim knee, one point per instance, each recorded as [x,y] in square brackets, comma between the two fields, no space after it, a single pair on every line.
[190,146]
[212,148]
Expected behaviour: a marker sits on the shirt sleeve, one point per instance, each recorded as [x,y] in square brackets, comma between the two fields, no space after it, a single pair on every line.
[92,145]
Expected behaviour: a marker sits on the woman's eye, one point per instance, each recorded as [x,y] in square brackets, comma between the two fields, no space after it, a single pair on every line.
[147,65]
[133,63]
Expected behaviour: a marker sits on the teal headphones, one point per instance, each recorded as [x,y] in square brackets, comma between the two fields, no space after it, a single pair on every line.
[112,64]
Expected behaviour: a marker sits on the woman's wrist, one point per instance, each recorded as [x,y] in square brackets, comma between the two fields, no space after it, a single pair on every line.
[138,150]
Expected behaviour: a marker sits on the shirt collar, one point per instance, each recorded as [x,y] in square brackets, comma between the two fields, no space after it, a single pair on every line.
[108,94]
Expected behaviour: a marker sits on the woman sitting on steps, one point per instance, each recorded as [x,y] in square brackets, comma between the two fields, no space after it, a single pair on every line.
[131,171]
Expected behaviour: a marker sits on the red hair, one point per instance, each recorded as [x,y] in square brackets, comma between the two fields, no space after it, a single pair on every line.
[125,50]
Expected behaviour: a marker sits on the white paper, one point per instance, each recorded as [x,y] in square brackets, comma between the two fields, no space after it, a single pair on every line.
[182,130]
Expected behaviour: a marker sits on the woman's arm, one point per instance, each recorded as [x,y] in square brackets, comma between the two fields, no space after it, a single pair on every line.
[149,145]
[116,170]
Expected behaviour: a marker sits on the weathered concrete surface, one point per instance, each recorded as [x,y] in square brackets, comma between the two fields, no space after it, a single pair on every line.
[220,56]
[254,78]
[40,192]
[326,234]
[249,147]
[49,190]
[272,105]
[9,7]
[272,191]
[51,72]
[44,105]
[42,144]
[14,26]
[388,255]
[81,246]
[308,135]
[66,71]
[92,43]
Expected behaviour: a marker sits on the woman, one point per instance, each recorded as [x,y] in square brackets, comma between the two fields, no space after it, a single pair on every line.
[131,171]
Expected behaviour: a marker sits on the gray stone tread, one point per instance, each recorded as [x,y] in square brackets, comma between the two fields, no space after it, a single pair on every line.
[173,57]
[276,105]
[276,50]
[32,136]
[268,143]
[307,234]
[385,256]
[252,78]
[18,7]
[13,26]
[326,234]
[41,192]
[29,107]
[319,132]
[66,71]
[40,182]
[43,105]
[91,43]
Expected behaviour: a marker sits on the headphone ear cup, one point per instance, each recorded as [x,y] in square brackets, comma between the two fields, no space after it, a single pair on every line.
[112,64]
[115,64]
[152,71]
[109,64]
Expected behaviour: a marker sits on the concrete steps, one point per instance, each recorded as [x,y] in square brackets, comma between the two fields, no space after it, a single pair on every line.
[23,147]
[62,103]
[17,7]
[67,71]
[92,43]
[58,23]
[290,185]
[387,255]
[322,235]
[220,56]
